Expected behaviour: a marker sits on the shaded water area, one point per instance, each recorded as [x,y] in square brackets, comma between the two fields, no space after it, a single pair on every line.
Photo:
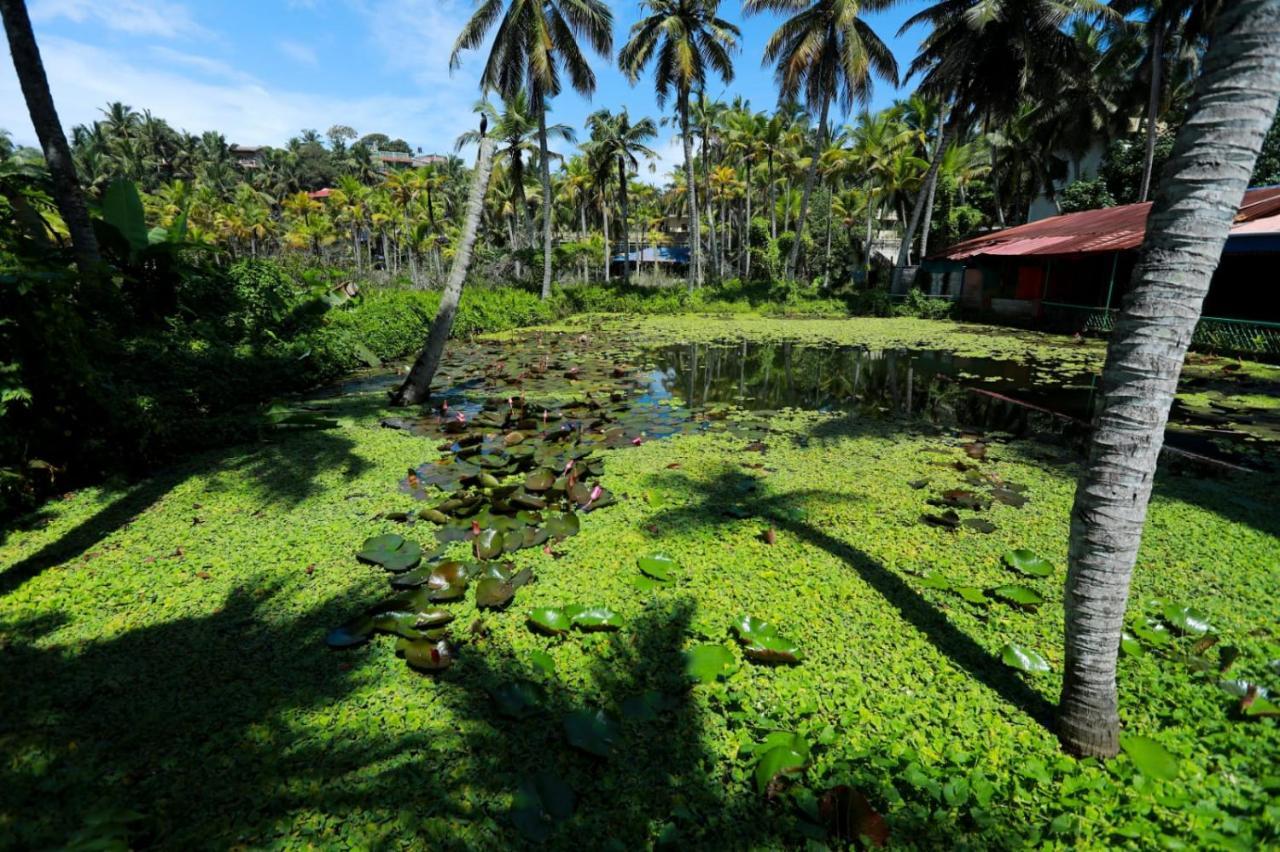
[1020,398]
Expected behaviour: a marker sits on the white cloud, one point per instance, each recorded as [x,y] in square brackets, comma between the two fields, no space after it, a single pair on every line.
[163,18]
[206,65]
[416,37]
[243,108]
[299,52]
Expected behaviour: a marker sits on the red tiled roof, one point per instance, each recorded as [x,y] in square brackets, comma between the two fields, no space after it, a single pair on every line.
[320,193]
[1106,230]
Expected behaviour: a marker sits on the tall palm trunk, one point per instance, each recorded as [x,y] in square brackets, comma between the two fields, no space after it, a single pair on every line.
[1203,183]
[608,248]
[745,240]
[417,386]
[826,253]
[810,179]
[57,154]
[1153,106]
[928,209]
[626,220]
[545,167]
[712,247]
[695,233]
[773,202]
[923,199]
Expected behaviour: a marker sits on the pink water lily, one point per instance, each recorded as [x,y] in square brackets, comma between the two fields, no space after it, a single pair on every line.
[637,440]
[595,495]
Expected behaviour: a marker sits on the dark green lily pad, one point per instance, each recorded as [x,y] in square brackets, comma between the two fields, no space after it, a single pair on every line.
[1028,563]
[972,594]
[782,753]
[492,593]
[948,520]
[761,641]
[1020,595]
[981,525]
[959,499]
[355,632]
[541,801]
[539,480]
[1023,659]
[1009,497]
[705,663]
[392,552]
[645,584]
[1152,631]
[934,580]
[448,581]
[563,526]
[489,544]
[1130,646]
[592,732]
[659,566]
[646,706]
[551,620]
[517,699]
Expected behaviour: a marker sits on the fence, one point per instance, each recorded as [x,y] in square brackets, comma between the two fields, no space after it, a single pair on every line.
[1218,334]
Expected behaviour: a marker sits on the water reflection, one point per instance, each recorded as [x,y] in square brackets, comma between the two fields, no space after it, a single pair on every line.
[932,385]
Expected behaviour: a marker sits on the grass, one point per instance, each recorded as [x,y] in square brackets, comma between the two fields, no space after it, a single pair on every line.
[163,675]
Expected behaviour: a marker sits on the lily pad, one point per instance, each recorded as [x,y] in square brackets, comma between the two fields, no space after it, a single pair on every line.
[1130,646]
[1151,758]
[646,706]
[562,526]
[1152,631]
[981,525]
[516,699]
[492,593]
[934,580]
[782,753]
[426,654]
[705,663]
[1028,563]
[592,732]
[1187,619]
[489,544]
[972,594]
[1020,595]
[849,816]
[392,552]
[355,632]
[761,641]
[592,618]
[948,520]
[541,801]
[551,620]
[659,566]
[539,480]
[1023,659]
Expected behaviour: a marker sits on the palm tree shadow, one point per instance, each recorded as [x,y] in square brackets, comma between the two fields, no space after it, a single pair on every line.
[203,730]
[728,488]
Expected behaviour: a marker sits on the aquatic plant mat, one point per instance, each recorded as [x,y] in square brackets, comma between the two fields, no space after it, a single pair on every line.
[624,595]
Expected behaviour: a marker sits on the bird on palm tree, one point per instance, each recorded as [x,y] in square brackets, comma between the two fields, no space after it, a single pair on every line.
[534,41]
[615,139]
[685,38]
[825,51]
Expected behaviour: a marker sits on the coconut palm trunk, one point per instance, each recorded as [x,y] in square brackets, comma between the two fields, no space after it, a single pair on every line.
[695,233]
[809,180]
[57,154]
[544,165]
[773,202]
[745,240]
[626,220]
[1201,188]
[1153,108]
[928,207]
[923,199]
[417,386]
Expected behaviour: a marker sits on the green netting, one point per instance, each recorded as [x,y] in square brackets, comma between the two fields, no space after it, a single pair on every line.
[1217,334]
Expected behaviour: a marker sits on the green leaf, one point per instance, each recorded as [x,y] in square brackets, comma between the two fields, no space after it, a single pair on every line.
[492,593]
[543,661]
[122,209]
[1023,659]
[354,632]
[562,526]
[781,753]
[934,580]
[1130,646]
[1153,632]
[541,801]
[659,566]
[761,641]
[705,663]
[516,699]
[1028,563]
[1151,758]
[426,654]
[590,618]
[1020,595]
[592,732]
[646,706]
[972,594]
[489,544]
[390,551]
[550,620]
[1187,619]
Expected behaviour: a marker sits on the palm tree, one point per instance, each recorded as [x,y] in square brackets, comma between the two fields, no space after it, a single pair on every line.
[1205,178]
[824,51]
[532,41]
[417,385]
[984,58]
[57,154]
[616,140]
[744,133]
[684,37]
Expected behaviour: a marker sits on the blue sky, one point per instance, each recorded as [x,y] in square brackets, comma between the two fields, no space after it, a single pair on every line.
[261,71]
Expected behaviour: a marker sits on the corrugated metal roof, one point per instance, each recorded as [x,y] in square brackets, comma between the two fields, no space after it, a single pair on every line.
[1107,230]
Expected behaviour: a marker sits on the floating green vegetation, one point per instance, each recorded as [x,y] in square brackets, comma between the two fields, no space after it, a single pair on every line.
[170,638]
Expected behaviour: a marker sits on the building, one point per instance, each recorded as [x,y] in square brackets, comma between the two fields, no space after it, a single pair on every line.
[404,159]
[248,156]
[1070,272]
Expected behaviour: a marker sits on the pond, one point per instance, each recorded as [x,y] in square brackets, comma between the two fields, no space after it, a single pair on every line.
[1220,415]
